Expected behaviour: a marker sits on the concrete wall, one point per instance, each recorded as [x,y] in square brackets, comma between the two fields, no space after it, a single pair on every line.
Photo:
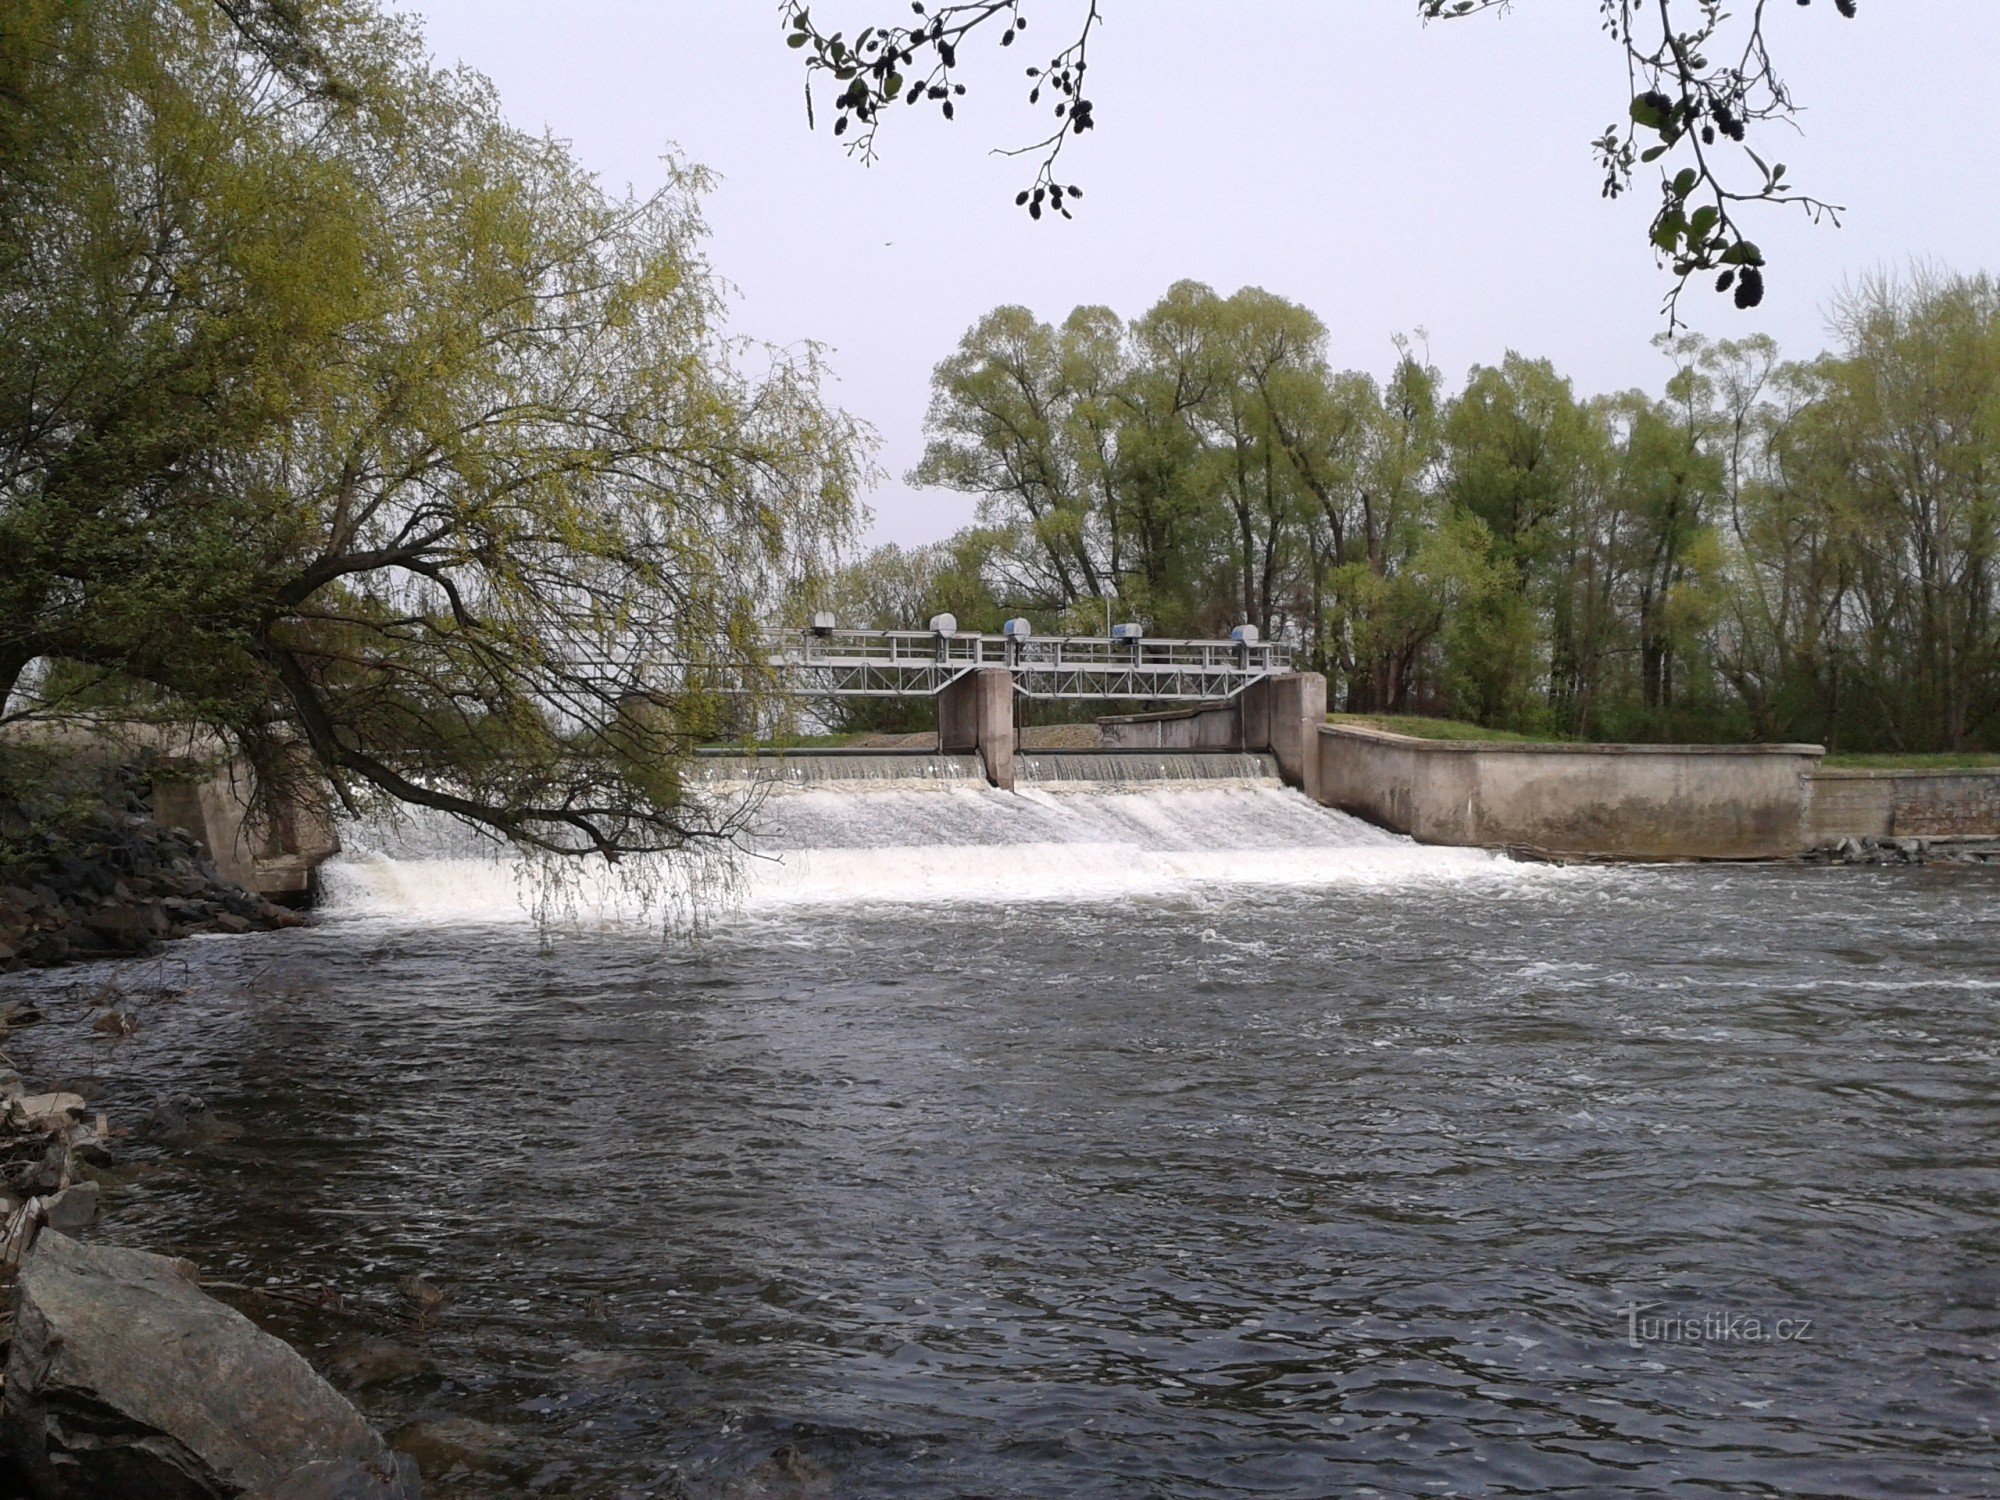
[977,713]
[1295,708]
[275,860]
[1279,714]
[196,787]
[1203,726]
[1900,804]
[1617,801]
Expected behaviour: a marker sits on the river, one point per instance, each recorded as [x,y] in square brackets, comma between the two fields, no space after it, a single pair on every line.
[1191,1141]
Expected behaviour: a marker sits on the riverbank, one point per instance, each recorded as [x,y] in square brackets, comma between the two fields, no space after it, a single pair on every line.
[107,880]
[111,1354]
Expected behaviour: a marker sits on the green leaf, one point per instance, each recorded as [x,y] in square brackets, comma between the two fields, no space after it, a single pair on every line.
[1684,181]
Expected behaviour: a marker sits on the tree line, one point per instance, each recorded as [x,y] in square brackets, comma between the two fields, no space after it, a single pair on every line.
[1769,549]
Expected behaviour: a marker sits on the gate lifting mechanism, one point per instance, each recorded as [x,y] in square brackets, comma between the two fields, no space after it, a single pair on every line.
[1126,664]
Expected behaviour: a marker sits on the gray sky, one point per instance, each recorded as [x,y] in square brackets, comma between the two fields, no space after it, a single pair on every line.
[1387,175]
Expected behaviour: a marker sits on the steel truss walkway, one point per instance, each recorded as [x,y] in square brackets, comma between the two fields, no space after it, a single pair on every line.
[923,663]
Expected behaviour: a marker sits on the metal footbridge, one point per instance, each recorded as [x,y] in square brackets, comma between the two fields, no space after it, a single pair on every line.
[923,663]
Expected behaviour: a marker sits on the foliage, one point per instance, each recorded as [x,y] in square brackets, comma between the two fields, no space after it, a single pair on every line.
[339,413]
[1805,551]
[1699,78]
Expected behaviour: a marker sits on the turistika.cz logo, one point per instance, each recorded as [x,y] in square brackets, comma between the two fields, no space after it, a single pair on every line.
[1643,1326]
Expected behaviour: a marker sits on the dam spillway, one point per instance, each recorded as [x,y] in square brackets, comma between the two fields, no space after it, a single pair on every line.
[916,827]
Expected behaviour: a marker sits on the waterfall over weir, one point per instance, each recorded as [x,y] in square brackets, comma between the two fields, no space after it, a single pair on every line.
[897,828]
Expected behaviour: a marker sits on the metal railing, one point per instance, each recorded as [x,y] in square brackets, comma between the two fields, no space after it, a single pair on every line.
[922,663]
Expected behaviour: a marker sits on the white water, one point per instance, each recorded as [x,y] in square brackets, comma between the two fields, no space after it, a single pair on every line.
[880,839]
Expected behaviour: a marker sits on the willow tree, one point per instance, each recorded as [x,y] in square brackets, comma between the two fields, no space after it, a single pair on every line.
[371,434]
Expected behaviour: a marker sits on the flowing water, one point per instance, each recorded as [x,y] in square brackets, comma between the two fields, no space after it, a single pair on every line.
[1182,1139]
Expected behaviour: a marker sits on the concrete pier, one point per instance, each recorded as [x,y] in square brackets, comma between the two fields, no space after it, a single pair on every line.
[274,858]
[977,713]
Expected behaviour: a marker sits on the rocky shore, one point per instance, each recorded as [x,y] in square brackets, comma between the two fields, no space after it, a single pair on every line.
[112,883]
[1961,850]
[123,1377]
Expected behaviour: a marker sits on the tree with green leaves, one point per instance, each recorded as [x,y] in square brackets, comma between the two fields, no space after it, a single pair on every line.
[1764,549]
[367,432]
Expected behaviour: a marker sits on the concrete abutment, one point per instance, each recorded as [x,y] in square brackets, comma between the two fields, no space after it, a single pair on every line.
[976,713]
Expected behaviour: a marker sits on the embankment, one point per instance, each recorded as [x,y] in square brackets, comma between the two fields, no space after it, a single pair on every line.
[106,880]
[1895,804]
[1648,802]
[1639,802]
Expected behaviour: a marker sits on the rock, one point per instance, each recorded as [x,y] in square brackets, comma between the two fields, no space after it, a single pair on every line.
[131,928]
[421,1297]
[49,1111]
[1852,853]
[42,1176]
[126,1380]
[73,1209]
[88,1143]
[230,922]
[366,1362]
[391,1478]
[455,1443]
[608,1365]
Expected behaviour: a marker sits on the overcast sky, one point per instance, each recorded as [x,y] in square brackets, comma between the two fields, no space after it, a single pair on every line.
[1387,175]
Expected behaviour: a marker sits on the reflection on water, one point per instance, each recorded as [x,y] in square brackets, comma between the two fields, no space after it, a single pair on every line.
[1205,1189]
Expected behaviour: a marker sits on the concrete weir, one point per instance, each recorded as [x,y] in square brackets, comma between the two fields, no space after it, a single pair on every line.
[1277,714]
[1639,802]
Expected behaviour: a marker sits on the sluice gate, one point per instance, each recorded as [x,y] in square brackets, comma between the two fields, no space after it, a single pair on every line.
[1236,697]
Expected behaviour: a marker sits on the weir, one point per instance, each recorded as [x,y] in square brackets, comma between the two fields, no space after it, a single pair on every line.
[839,830]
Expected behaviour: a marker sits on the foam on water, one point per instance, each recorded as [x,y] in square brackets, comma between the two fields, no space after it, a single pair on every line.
[882,839]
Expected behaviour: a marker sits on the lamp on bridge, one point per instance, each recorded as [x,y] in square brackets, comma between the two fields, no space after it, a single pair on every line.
[944,627]
[1017,632]
[1131,634]
[1245,637]
[823,623]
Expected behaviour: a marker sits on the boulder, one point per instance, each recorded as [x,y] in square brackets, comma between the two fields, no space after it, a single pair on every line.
[48,1111]
[128,928]
[391,1477]
[363,1362]
[450,1443]
[125,1379]
[74,1208]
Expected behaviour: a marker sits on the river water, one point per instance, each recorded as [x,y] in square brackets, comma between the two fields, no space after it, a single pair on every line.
[1189,1141]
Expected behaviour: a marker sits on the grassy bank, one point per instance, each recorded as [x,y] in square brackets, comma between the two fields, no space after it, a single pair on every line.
[1422,728]
[1962,760]
[1418,727]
